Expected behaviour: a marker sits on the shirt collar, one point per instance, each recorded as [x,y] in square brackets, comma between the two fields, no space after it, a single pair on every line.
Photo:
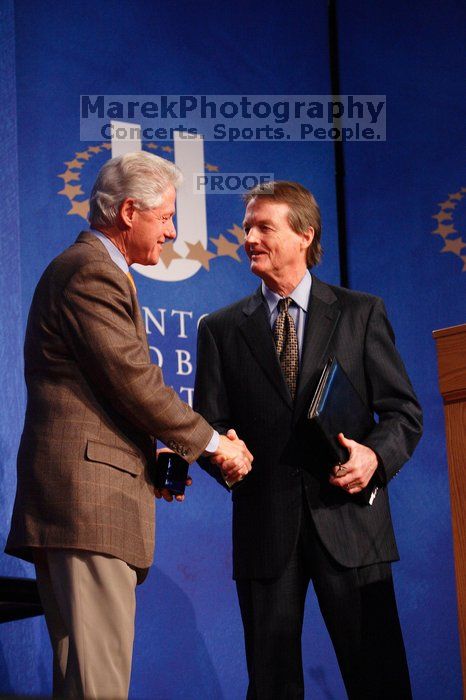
[116,255]
[300,294]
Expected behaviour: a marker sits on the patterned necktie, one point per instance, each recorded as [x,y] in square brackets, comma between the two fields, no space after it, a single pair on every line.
[131,281]
[286,340]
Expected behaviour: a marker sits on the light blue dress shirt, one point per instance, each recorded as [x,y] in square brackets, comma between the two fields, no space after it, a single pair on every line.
[116,255]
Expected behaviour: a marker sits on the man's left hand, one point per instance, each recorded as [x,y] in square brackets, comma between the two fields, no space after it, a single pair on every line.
[355,474]
[168,496]
[165,493]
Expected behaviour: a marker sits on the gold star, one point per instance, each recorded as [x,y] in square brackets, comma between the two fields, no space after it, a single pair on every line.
[94,149]
[225,247]
[80,208]
[167,149]
[69,176]
[237,232]
[84,155]
[453,245]
[211,168]
[107,146]
[153,146]
[443,230]
[199,253]
[442,216]
[71,191]
[167,254]
[447,205]
[74,163]
[457,196]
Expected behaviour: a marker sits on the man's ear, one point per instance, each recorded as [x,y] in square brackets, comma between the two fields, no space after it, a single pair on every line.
[307,237]
[126,212]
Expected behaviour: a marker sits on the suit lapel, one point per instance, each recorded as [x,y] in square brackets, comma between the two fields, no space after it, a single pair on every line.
[323,315]
[88,237]
[258,335]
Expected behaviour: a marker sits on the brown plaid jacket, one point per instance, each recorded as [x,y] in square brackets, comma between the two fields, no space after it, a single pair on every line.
[95,401]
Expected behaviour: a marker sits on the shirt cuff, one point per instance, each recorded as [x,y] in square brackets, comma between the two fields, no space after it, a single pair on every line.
[213,443]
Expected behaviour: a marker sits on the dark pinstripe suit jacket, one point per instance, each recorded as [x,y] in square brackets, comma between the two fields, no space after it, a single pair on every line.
[94,402]
[239,384]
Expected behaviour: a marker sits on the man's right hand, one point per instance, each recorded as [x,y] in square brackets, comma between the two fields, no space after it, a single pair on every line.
[233,458]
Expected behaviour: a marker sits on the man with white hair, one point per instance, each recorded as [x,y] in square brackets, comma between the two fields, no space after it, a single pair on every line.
[84,508]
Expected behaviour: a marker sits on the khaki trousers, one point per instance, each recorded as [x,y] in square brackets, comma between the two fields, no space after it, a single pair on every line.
[89,604]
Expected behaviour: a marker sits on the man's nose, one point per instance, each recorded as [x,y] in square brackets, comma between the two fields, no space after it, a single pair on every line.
[250,238]
[170,231]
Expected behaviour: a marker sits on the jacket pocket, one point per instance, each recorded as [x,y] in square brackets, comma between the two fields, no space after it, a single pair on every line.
[120,458]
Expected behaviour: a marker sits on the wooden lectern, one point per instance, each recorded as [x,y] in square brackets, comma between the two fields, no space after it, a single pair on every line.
[451,356]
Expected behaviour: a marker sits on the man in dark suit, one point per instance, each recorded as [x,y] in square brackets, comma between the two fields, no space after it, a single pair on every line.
[259,361]
[84,508]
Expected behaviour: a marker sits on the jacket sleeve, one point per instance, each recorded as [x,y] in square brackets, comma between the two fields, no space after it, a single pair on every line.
[391,396]
[98,326]
[210,395]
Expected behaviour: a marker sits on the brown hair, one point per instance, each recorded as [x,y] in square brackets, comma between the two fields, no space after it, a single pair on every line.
[304,211]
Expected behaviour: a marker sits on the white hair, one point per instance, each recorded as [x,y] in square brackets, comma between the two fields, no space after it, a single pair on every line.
[142,176]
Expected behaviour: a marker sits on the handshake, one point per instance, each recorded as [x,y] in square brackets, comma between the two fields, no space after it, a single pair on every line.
[233,458]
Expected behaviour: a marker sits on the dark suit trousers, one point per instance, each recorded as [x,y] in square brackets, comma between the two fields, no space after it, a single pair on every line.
[359,609]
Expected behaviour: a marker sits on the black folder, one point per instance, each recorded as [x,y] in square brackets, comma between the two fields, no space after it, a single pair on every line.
[337,407]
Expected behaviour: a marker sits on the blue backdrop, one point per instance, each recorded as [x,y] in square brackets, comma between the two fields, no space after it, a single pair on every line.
[399,250]
[189,638]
